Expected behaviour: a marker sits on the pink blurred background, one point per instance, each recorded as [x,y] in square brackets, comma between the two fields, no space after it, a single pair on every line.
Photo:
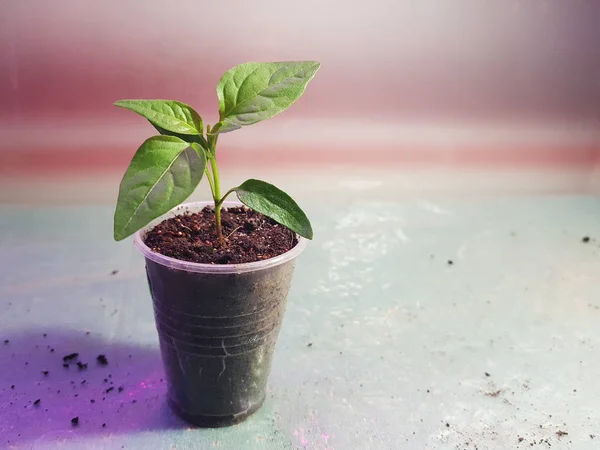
[403,84]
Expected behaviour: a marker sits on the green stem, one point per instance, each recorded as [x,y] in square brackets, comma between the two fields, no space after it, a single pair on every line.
[210,181]
[226,195]
[212,138]
[217,197]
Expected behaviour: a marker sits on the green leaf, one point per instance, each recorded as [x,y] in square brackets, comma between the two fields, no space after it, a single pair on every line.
[256,91]
[184,137]
[164,172]
[276,204]
[226,127]
[170,115]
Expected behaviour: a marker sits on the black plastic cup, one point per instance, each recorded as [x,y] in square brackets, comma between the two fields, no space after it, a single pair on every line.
[217,327]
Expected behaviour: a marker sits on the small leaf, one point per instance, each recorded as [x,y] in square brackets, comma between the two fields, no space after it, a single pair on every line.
[276,204]
[256,91]
[164,172]
[173,116]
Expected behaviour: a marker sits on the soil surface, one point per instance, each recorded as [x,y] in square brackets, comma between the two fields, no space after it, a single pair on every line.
[249,237]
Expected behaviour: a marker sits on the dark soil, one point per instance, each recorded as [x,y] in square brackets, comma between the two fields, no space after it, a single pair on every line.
[102,360]
[250,237]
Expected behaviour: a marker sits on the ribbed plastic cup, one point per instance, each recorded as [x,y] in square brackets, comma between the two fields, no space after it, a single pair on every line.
[217,327]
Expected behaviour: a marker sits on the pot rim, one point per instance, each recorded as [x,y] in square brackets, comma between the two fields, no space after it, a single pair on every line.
[209,268]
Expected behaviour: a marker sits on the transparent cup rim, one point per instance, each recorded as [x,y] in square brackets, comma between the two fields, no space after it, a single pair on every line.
[138,240]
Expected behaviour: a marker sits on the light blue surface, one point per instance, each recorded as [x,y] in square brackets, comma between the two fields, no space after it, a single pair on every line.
[401,340]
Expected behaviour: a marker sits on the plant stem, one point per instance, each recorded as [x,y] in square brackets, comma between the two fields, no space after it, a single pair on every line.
[210,181]
[225,196]
[216,182]
[217,197]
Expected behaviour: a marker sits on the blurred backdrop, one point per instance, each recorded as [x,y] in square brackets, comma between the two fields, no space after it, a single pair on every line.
[405,86]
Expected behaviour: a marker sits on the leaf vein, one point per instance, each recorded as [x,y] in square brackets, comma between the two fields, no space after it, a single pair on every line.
[168,168]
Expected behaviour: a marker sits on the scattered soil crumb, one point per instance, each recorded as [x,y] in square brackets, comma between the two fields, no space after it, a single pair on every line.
[309,344]
[75,421]
[561,433]
[37,402]
[487,374]
[102,360]
[450,262]
[494,393]
[81,366]
[114,272]
[585,239]
[70,357]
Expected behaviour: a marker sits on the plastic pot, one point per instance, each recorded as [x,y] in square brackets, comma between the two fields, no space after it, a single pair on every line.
[217,327]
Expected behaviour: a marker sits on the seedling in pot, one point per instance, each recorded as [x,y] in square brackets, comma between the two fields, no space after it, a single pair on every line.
[167,167]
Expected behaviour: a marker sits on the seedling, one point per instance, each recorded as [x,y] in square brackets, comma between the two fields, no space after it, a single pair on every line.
[167,167]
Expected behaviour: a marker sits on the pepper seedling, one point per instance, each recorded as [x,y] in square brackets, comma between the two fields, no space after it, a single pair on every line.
[167,168]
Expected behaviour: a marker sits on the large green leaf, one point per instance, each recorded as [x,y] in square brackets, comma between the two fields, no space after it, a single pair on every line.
[256,91]
[171,115]
[276,204]
[164,172]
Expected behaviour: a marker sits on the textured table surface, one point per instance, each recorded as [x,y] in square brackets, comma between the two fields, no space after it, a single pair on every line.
[385,345]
